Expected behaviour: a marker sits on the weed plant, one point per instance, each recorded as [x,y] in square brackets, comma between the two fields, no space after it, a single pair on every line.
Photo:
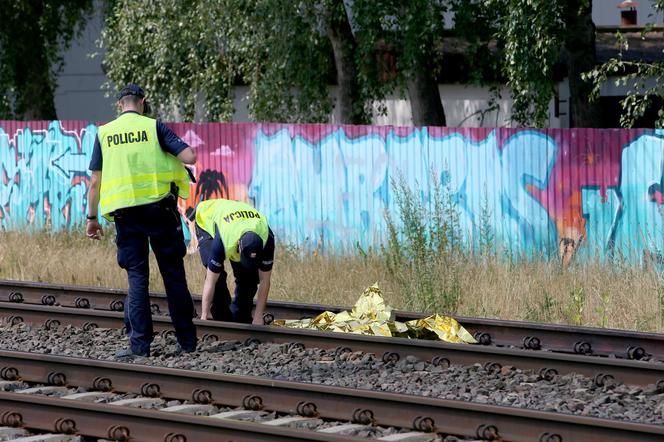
[425,265]
[422,255]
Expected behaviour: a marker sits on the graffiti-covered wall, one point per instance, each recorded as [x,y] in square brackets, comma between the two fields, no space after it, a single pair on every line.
[596,191]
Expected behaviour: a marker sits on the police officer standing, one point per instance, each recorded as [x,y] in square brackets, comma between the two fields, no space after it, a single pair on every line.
[137,175]
[237,231]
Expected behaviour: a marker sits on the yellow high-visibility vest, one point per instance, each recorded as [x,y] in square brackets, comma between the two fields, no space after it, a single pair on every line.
[135,169]
[233,219]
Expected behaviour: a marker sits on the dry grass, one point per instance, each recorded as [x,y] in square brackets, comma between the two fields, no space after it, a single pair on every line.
[589,294]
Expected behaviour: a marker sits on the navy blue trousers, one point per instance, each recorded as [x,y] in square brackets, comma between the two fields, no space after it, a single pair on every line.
[246,285]
[157,225]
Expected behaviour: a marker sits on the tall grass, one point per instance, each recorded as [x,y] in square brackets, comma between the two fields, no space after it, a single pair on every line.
[421,268]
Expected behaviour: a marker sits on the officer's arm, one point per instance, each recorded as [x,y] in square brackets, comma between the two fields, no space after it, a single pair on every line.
[261,296]
[92,227]
[174,145]
[208,292]
[187,156]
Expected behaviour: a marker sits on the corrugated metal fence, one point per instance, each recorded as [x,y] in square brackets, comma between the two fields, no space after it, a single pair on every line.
[539,192]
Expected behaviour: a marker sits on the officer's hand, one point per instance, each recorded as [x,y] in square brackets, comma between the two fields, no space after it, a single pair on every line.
[93,229]
[258,320]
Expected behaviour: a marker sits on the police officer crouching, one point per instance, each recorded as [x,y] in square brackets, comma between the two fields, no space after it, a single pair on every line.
[137,175]
[237,231]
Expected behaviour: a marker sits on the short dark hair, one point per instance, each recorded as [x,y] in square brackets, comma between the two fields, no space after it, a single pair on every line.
[130,99]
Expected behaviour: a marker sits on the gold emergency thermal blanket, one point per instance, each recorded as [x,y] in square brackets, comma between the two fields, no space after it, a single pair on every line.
[372,316]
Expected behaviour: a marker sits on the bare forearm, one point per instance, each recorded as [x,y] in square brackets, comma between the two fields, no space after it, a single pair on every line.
[187,156]
[93,193]
[261,299]
[208,292]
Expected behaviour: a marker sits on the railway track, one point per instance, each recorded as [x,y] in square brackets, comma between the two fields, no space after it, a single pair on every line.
[94,308]
[87,380]
[603,370]
[618,344]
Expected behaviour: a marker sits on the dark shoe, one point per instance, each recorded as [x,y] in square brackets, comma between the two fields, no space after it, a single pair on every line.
[128,353]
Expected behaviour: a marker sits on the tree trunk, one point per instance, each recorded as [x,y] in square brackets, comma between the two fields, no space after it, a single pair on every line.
[425,102]
[580,48]
[351,106]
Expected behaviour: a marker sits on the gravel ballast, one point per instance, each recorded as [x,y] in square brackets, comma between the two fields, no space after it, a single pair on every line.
[507,386]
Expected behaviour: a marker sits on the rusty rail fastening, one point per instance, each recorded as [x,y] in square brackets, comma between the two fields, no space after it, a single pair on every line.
[517,334]
[391,349]
[487,422]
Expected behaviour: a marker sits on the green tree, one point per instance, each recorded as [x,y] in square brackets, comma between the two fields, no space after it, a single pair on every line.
[33,37]
[288,51]
[411,32]
[535,36]
[644,80]
[175,51]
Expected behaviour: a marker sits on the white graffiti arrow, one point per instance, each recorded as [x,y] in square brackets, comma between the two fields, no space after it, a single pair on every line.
[70,163]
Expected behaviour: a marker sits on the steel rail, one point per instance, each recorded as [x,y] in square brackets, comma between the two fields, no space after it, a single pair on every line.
[124,423]
[518,334]
[545,363]
[483,421]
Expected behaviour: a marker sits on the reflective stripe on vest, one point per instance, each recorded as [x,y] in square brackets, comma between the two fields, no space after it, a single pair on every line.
[135,169]
[233,219]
